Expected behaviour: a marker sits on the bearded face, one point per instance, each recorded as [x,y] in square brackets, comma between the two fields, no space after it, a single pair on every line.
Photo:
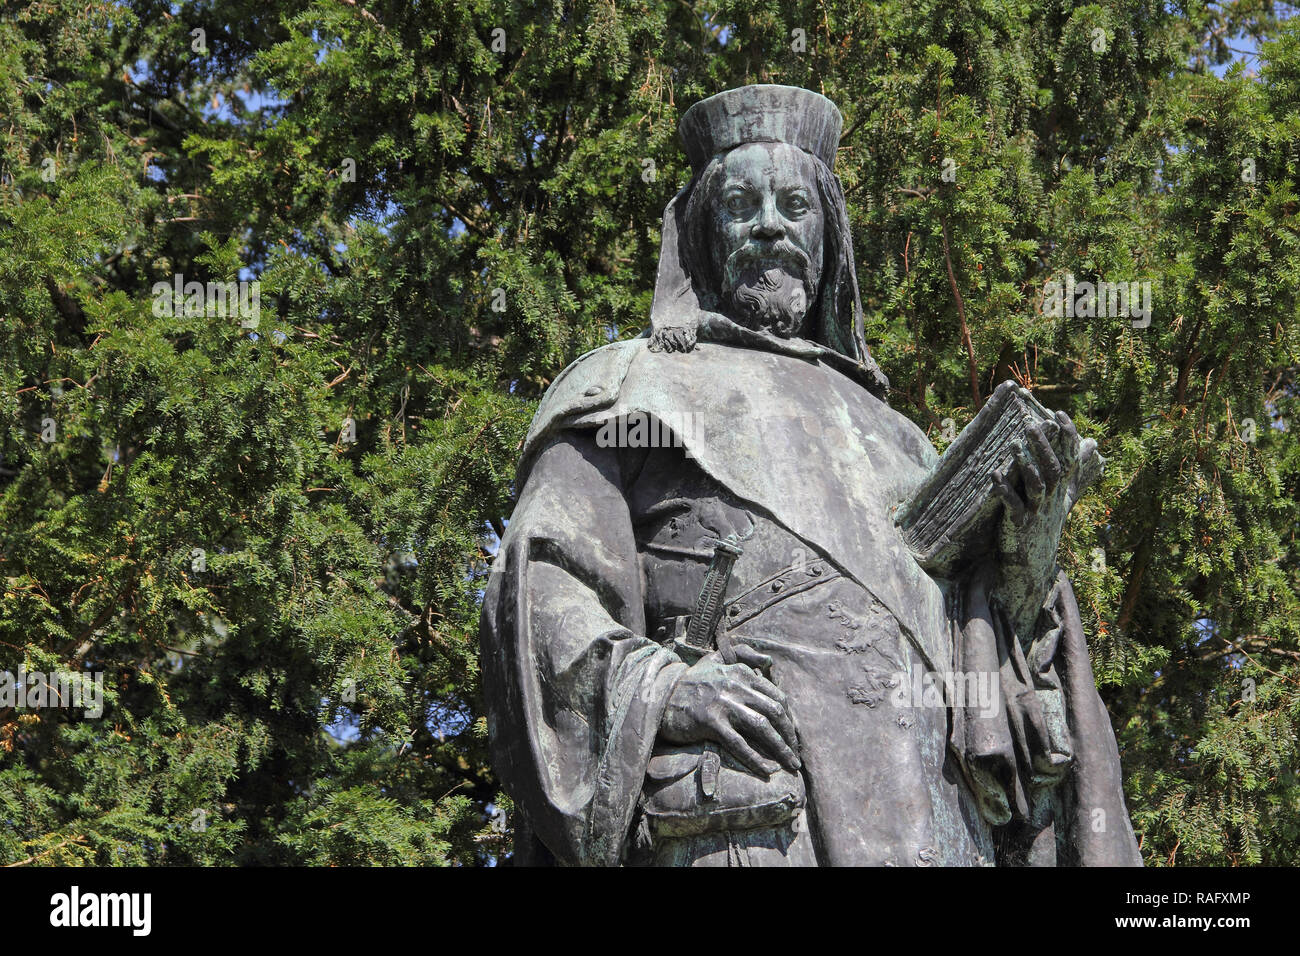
[767,237]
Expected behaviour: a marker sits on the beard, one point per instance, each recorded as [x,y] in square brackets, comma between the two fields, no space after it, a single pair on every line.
[769,289]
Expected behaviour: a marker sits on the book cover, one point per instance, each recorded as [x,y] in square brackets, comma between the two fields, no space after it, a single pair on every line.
[952,511]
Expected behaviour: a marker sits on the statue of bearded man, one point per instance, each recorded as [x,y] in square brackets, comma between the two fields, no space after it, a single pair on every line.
[707,639]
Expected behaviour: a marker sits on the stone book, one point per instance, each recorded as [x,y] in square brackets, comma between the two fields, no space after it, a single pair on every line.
[951,514]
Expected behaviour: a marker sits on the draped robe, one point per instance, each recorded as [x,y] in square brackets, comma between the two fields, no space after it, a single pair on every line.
[604,556]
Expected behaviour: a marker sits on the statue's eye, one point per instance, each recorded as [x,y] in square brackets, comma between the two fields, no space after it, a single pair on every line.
[738,202]
[796,205]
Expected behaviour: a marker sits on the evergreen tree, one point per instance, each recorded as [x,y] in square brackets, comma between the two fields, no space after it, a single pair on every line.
[268,525]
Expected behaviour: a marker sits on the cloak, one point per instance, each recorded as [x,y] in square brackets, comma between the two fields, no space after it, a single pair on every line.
[781,426]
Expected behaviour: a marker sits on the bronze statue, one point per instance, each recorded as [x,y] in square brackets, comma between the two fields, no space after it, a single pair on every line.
[744,614]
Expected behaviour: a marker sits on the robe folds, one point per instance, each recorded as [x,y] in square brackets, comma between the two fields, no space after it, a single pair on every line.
[636,464]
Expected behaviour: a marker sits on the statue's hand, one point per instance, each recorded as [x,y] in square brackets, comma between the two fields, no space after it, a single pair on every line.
[735,706]
[1053,468]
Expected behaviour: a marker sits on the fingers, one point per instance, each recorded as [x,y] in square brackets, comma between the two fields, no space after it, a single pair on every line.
[760,694]
[758,730]
[1069,436]
[742,751]
[1030,475]
[754,658]
[754,679]
[1044,456]
[1091,464]
[775,715]
[1010,497]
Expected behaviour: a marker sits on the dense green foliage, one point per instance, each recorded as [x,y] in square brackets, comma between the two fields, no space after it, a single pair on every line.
[445,202]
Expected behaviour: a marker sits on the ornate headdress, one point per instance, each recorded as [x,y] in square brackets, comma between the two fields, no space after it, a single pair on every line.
[761,114]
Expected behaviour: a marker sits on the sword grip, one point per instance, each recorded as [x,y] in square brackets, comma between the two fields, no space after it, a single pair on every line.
[708,608]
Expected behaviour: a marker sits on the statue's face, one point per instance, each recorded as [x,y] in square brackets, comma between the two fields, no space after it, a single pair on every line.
[767,247]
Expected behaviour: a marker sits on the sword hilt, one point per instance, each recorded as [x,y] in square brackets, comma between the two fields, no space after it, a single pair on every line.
[708,609]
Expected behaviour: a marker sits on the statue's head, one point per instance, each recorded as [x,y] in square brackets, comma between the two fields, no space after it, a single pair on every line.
[760,235]
[756,219]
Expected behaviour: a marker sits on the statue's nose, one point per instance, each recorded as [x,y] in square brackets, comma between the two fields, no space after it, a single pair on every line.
[769,225]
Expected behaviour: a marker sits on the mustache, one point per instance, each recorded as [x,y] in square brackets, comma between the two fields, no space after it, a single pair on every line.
[783,251]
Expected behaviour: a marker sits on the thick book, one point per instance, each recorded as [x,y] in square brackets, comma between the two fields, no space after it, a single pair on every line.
[951,514]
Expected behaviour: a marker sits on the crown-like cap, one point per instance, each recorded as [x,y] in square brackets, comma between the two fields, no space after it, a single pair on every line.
[761,114]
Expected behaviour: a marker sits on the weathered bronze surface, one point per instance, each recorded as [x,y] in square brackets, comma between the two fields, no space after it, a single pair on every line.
[897,675]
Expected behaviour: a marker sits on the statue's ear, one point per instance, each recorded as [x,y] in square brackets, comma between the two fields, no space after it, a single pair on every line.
[675,311]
